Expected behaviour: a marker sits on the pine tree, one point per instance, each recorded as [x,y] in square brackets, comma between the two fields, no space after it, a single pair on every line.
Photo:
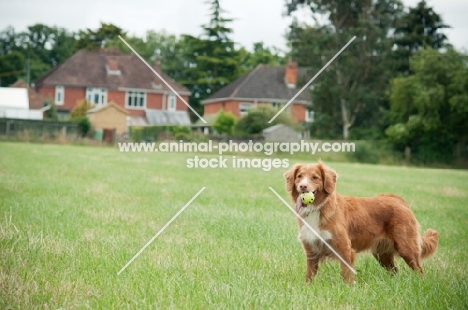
[212,59]
[217,60]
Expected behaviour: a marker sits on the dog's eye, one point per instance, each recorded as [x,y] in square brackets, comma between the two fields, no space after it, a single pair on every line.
[315,177]
[299,176]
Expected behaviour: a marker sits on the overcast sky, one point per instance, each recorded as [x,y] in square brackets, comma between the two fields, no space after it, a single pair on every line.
[254,20]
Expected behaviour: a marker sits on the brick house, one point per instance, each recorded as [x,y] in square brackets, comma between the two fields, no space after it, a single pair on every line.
[109,76]
[272,85]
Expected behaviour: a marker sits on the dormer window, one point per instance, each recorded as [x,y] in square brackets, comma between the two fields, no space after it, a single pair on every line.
[112,67]
[156,86]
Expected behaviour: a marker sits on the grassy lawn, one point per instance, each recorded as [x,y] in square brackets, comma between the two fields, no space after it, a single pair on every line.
[72,216]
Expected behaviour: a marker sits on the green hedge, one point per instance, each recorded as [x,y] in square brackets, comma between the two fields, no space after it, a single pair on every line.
[153,133]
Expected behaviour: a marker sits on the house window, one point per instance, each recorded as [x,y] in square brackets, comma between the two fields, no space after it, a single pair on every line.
[309,117]
[97,96]
[59,94]
[244,107]
[136,99]
[171,104]
[277,105]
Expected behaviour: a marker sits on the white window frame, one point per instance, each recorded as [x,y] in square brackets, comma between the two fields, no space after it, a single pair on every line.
[244,108]
[171,102]
[59,95]
[135,101]
[277,105]
[91,93]
[309,116]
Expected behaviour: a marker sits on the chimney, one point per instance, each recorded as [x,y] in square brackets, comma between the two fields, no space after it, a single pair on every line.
[157,63]
[290,74]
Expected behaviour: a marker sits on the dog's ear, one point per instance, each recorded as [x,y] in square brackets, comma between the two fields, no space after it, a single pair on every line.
[329,177]
[290,177]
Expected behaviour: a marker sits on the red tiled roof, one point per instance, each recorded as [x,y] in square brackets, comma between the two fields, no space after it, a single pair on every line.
[101,69]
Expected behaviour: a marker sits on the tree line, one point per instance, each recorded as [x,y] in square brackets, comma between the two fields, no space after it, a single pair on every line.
[400,81]
[202,63]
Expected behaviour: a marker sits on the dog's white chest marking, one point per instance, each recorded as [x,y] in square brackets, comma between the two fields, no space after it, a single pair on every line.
[307,235]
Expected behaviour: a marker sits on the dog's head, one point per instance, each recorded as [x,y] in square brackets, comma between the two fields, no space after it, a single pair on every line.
[316,178]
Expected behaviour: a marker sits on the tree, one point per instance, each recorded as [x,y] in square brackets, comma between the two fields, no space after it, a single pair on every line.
[429,108]
[78,115]
[418,28]
[80,108]
[224,123]
[211,61]
[351,90]
[32,53]
[63,47]
[96,39]
[260,55]
[11,67]
[11,58]
[152,46]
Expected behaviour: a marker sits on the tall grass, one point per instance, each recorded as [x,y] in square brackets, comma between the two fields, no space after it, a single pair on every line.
[72,216]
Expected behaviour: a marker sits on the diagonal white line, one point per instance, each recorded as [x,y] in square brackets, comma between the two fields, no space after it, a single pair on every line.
[313,230]
[160,231]
[307,85]
[160,77]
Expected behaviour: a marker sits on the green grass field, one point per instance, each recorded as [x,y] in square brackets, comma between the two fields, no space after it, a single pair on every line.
[72,216]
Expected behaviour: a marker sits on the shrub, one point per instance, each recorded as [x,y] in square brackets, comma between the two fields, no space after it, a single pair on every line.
[182,136]
[224,123]
[51,113]
[178,129]
[154,133]
[84,125]
[136,134]
[365,152]
[257,120]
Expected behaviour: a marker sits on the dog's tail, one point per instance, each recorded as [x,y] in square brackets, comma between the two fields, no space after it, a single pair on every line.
[429,242]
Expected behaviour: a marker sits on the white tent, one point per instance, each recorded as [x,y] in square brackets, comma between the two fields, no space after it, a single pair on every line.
[14,103]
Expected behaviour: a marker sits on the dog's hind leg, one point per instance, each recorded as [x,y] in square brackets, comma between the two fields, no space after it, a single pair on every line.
[386,260]
[409,251]
[384,253]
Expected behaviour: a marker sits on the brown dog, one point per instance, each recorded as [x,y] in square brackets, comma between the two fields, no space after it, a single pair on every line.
[384,224]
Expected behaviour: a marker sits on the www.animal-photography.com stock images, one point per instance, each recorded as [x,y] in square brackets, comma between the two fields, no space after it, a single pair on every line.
[215,154]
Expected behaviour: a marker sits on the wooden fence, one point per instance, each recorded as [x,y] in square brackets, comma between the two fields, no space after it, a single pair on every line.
[37,129]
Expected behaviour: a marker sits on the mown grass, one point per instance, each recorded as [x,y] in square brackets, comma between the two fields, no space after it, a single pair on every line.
[72,216]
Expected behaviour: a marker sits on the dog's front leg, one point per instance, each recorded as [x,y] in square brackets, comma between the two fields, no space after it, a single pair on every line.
[312,262]
[347,253]
[312,267]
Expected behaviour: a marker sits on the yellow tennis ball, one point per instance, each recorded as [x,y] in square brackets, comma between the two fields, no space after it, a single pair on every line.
[307,198]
